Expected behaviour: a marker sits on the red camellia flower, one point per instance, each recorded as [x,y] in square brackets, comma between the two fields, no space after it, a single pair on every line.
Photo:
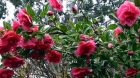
[53,56]
[6,73]
[128,13]
[50,13]
[4,48]
[10,40]
[13,62]
[28,44]
[84,37]
[48,40]
[46,43]
[56,4]
[24,19]
[85,48]
[80,72]
[16,25]
[117,31]
[131,72]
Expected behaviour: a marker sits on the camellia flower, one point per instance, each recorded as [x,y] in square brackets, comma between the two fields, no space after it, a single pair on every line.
[4,48]
[56,4]
[24,19]
[85,48]
[6,73]
[9,41]
[13,62]
[27,43]
[131,72]
[48,40]
[117,31]
[16,25]
[46,43]
[84,37]
[128,13]
[53,56]
[10,38]
[80,72]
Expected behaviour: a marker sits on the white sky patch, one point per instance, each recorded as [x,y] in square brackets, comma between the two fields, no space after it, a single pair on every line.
[10,10]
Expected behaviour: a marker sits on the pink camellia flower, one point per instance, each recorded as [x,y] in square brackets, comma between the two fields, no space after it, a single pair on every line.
[56,4]
[50,13]
[128,13]
[53,56]
[6,73]
[84,37]
[13,62]
[117,31]
[85,48]
[80,72]
[131,72]
[110,45]
[24,19]
[15,25]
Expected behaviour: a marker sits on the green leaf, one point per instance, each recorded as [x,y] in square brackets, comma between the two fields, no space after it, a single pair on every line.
[44,11]
[136,27]
[19,30]
[122,36]
[137,2]
[62,27]
[25,35]
[75,65]
[112,26]
[30,11]
[138,75]
[134,46]
[116,76]
[7,25]
[105,36]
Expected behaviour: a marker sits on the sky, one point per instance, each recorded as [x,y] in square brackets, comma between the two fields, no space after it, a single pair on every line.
[11,9]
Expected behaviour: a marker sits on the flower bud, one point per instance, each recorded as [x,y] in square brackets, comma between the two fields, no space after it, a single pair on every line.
[50,13]
[75,9]
[130,52]
[139,30]
[110,45]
